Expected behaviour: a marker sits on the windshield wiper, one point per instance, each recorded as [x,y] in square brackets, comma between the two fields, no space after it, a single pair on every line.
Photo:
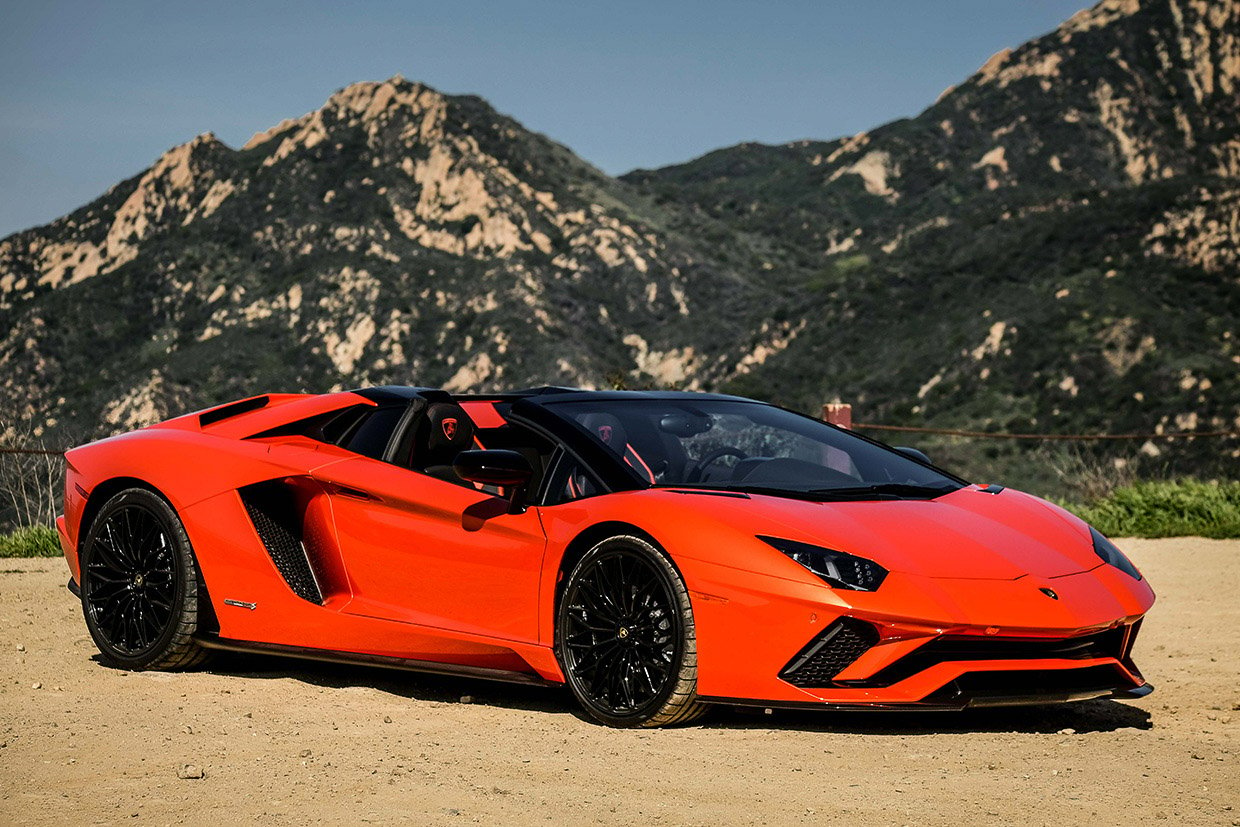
[885,491]
[793,493]
[878,491]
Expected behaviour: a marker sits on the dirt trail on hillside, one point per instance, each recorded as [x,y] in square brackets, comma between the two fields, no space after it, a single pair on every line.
[294,743]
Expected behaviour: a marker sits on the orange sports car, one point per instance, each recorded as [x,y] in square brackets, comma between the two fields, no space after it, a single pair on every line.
[657,552]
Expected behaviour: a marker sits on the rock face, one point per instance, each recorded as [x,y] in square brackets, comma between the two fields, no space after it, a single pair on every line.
[1052,246]
[395,235]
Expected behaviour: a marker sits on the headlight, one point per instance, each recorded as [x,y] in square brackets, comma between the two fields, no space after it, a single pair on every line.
[837,568]
[1105,549]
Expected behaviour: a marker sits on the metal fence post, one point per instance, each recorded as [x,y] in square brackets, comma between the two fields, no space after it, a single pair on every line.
[838,413]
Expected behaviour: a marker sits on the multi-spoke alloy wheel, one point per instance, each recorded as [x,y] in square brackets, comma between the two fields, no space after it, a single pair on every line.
[625,636]
[140,584]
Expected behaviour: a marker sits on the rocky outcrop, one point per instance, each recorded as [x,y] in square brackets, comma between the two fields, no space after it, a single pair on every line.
[1050,245]
[395,234]
[1080,190]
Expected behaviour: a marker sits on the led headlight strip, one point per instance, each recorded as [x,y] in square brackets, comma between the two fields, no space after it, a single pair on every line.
[839,569]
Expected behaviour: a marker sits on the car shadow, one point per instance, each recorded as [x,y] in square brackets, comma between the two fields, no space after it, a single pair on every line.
[412,685]
[1082,717]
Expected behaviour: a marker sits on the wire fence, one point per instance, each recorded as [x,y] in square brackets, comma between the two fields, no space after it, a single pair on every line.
[31,474]
[909,429]
[906,429]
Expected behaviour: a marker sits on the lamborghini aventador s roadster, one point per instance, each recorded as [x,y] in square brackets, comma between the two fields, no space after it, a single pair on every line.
[656,552]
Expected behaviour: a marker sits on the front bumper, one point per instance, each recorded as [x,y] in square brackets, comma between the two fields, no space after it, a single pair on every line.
[920,643]
[960,671]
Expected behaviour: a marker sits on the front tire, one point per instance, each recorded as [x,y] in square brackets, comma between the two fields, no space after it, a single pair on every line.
[140,585]
[625,637]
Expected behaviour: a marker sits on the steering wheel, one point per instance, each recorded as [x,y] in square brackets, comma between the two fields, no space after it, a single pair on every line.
[699,470]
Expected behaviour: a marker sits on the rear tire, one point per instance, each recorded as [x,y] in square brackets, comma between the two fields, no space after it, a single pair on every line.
[625,637]
[140,585]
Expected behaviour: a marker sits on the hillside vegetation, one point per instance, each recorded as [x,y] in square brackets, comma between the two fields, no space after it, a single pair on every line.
[1167,509]
[1052,247]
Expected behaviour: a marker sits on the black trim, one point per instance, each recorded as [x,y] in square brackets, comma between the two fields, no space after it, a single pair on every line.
[390,394]
[937,705]
[954,648]
[1015,687]
[548,487]
[398,441]
[235,409]
[383,661]
[607,466]
[316,426]
[827,706]
[703,492]
[73,587]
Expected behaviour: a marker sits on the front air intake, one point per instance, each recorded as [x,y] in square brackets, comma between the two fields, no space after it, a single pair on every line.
[953,648]
[277,520]
[830,653]
[1006,687]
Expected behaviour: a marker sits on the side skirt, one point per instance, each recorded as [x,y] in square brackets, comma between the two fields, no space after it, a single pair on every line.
[382,661]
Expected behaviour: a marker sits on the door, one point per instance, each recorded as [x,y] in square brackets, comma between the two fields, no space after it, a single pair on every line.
[422,550]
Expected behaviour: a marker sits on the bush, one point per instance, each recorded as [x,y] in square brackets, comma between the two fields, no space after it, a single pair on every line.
[32,541]
[1167,509]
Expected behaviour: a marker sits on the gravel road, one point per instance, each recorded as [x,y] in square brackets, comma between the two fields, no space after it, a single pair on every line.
[287,742]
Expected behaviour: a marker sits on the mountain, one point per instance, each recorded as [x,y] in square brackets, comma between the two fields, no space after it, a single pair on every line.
[1051,246]
[395,235]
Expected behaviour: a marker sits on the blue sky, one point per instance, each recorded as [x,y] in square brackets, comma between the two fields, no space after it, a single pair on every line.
[93,92]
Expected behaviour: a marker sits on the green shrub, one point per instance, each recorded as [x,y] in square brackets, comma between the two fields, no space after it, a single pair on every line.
[1167,509]
[32,541]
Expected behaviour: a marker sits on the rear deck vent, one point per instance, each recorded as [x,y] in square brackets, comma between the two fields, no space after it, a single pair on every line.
[277,520]
[228,411]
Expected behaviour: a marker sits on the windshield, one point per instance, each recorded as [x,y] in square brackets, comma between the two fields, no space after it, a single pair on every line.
[749,446]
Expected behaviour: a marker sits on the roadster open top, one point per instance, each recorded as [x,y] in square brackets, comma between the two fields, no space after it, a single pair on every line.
[656,552]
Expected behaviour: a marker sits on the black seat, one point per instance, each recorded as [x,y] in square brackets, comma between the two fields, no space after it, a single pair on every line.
[608,430]
[441,432]
[611,432]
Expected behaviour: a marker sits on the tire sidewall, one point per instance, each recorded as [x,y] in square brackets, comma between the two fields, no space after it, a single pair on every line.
[184,576]
[671,578]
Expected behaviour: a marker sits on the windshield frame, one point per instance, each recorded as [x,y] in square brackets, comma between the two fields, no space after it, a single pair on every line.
[616,475]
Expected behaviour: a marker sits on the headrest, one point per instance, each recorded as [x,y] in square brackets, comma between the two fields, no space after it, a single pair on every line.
[607,429]
[445,431]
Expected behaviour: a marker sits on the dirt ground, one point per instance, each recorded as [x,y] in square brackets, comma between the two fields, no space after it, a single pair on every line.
[289,742]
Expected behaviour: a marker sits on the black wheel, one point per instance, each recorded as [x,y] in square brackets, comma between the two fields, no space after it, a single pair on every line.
[625,636]
[140,585]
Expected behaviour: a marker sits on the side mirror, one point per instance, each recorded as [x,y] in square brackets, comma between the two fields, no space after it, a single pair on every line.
[914,454]
[496,466]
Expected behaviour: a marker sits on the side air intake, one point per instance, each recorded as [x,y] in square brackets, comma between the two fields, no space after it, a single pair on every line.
[273,509]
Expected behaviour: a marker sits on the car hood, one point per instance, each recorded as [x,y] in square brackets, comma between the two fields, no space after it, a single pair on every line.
[967,534]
